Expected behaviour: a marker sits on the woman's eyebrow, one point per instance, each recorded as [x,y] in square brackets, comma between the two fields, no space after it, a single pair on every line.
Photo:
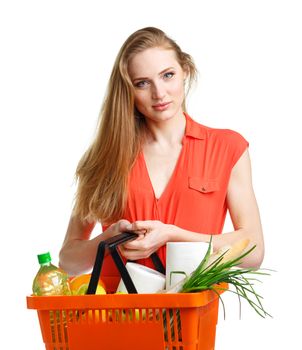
[145,78]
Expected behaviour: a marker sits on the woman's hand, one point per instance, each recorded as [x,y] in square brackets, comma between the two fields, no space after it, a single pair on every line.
[117,228]
[78,251]
[152,235]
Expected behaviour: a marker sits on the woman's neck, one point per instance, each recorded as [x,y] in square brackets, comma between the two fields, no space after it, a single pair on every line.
[170,131]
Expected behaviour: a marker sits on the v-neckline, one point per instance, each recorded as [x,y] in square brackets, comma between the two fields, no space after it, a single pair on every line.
[173,174]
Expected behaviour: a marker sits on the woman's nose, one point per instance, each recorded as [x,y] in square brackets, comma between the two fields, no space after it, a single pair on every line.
[158,91]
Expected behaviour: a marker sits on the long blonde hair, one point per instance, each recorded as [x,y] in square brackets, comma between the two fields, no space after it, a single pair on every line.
[102,172]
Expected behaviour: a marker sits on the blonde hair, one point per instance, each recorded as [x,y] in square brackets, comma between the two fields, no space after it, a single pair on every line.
[103,171]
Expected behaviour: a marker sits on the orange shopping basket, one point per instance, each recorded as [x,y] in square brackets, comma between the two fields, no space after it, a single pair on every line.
[179,321]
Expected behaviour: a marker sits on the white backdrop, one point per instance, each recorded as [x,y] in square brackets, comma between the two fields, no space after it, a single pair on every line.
[55,62]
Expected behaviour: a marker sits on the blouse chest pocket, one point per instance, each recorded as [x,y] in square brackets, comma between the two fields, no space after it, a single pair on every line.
[203,185]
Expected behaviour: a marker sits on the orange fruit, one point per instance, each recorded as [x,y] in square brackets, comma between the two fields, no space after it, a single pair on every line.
[79,285]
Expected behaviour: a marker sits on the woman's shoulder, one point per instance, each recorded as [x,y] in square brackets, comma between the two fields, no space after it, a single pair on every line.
[227,142]
[226,135]
[221,135]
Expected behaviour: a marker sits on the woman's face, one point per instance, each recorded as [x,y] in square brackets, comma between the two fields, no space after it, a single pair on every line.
[158,82]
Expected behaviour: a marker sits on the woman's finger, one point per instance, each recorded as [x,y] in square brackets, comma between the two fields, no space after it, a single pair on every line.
[140,232]
[132,254]
[119,226]
[141,225]
[137,244]
[122,225]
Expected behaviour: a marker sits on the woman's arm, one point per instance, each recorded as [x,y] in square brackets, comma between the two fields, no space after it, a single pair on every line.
[244,213]
[78,252]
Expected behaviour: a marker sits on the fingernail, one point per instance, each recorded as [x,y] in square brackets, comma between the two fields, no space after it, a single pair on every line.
[129,227]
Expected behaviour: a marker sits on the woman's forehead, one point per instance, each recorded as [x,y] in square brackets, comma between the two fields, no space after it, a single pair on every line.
[151,61]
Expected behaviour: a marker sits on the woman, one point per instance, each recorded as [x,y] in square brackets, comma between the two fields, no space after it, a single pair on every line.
[154,170]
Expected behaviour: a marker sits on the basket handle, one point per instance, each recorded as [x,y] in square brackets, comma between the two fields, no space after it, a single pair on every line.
[111,244]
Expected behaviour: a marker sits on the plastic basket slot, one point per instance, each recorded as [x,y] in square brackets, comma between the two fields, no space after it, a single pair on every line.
[106,315]
[58,329]
[64,315]
[80,316]
[52,326]
[176,325]
[150,315]
[172,329]
[133,315]
[116,315]
[57,326]
[101,315]
[158,315]
[109,315]
[127,314]
[166,322]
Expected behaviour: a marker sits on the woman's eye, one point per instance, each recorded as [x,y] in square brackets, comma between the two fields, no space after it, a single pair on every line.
[169,75]
[141,84]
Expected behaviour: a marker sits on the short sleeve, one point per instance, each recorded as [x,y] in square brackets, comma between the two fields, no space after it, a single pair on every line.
[237,145]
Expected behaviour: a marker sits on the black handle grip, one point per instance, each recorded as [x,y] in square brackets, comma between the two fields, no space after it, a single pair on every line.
[157,263]
[111,244]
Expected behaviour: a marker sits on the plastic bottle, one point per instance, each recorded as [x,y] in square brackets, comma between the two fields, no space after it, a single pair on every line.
[50,280]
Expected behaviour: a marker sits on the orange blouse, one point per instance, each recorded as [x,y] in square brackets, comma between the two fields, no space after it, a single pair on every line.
[195,196]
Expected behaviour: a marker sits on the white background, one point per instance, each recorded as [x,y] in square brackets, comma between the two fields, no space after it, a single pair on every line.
[56,57]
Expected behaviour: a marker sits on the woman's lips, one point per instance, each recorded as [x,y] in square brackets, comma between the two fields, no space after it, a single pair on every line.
[161,106]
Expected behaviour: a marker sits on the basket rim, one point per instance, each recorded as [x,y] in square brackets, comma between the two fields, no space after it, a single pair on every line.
[116,301]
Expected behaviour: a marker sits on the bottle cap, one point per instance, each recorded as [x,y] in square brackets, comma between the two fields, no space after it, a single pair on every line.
[44,258]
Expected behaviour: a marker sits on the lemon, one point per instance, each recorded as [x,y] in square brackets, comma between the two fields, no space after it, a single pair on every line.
[79,285]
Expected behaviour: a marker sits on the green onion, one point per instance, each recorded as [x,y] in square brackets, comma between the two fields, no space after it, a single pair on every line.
[211,273]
